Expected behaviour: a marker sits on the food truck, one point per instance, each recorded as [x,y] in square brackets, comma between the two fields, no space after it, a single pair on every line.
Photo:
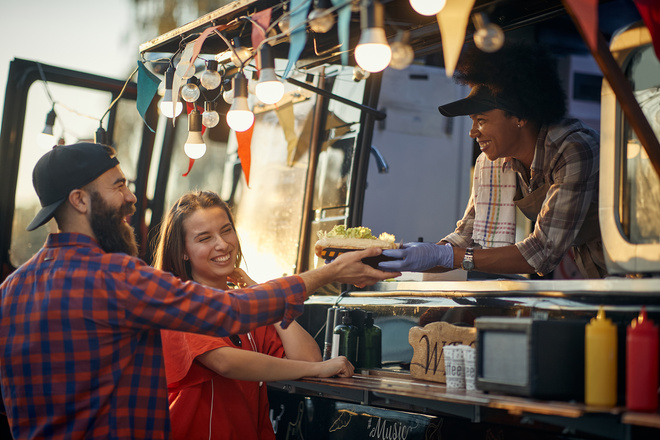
[346,146]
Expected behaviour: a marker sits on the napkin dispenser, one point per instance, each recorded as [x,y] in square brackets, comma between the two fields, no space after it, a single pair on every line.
[531,357]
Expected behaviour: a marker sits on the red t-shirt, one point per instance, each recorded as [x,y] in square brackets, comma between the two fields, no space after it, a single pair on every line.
[240,408]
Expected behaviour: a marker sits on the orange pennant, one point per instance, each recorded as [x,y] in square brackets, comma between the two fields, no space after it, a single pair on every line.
[453,20]
[586,14]
[191,162]
[244,139]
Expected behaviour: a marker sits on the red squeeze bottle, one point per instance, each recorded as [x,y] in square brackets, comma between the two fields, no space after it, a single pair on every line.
[642,364]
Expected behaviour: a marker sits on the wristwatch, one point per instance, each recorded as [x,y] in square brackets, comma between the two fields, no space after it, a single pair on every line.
[468,259]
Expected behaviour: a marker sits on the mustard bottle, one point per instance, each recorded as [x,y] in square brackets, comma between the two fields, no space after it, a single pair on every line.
[600,359]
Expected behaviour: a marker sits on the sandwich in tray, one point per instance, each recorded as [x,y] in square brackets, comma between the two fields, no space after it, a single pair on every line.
[341,239]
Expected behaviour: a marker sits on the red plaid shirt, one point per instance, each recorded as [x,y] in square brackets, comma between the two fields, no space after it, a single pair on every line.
[80,338]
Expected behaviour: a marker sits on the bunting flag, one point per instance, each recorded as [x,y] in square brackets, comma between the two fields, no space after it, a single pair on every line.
[199,41]
[147,86]
[244,139]
[262,20]
[343,28]
[298,37]
[650,12]
[453,20]
[586,14]
[191,162]
[287,121]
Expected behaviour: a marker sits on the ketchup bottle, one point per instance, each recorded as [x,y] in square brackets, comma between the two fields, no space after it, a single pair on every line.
[600,356]
[642,364]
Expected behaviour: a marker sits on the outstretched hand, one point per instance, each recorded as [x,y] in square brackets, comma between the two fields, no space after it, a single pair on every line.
[418,257]
[351,269]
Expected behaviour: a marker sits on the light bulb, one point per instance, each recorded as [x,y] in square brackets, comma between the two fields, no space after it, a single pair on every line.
[185,70]
[211,78]
[240,55]
[228,96]
[373,53]
[359,74]
[269,89]
[402,53]
[190,92]
[168,109]
[285,23]
[210,117]
[488,37]
[46,139]
[321,20]
[194,146]
[428,7]
[239,116]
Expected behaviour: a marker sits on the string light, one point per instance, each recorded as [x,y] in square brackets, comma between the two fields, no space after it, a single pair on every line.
[240,55]
[269,89]
[428,7]
[402,53]
[488,36]
[46,139]
[190,92]
[210,117]
[194,146]
[167,107]
[239,116]
[321,18]
[373,53]
[211,78]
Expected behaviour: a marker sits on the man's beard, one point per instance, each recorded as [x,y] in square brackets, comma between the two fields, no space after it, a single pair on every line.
[112,233]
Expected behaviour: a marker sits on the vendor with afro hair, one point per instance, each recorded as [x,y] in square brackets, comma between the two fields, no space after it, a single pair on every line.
[533,158]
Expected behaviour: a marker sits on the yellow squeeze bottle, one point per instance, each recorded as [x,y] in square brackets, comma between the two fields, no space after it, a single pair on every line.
[600,358]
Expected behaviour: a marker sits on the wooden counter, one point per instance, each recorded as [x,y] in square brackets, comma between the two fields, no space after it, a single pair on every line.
[398,391]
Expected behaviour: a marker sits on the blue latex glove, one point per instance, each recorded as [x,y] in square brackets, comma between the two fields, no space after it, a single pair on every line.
[418,257]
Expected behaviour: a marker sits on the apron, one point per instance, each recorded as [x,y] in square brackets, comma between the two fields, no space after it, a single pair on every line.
[588,244]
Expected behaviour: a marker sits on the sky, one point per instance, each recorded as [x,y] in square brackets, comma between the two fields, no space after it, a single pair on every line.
[90,35]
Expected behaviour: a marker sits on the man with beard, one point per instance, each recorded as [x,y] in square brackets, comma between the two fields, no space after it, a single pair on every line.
[80,321]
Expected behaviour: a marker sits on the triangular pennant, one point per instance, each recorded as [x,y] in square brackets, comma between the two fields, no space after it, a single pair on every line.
[262,19]
[147,86]
[298,37]
[343,28]
[197,48]
[586,14]
[244,139]
[191,162]
[453,20]
[650,12]
[287,121]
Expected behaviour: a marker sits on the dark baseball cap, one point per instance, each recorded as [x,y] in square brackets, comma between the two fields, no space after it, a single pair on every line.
[481,99]
[63,169]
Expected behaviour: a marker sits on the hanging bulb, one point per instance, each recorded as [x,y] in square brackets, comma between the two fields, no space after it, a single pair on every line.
[211,78]
[269,89]
[402,53]
[240,55]
[210,117]
[321,19]
[372,52]
[488,36]
[228,94]
[428,7]
[359,74]
[100,136]
[46,139]
[168,109]
[194,146]
[239,116]
[285,22]
[190,92]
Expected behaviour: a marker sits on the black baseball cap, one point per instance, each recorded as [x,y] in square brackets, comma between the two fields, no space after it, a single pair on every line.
[63,169]
[481,99]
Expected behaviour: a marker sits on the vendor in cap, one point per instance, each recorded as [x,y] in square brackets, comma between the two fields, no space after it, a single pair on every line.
[517,107]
